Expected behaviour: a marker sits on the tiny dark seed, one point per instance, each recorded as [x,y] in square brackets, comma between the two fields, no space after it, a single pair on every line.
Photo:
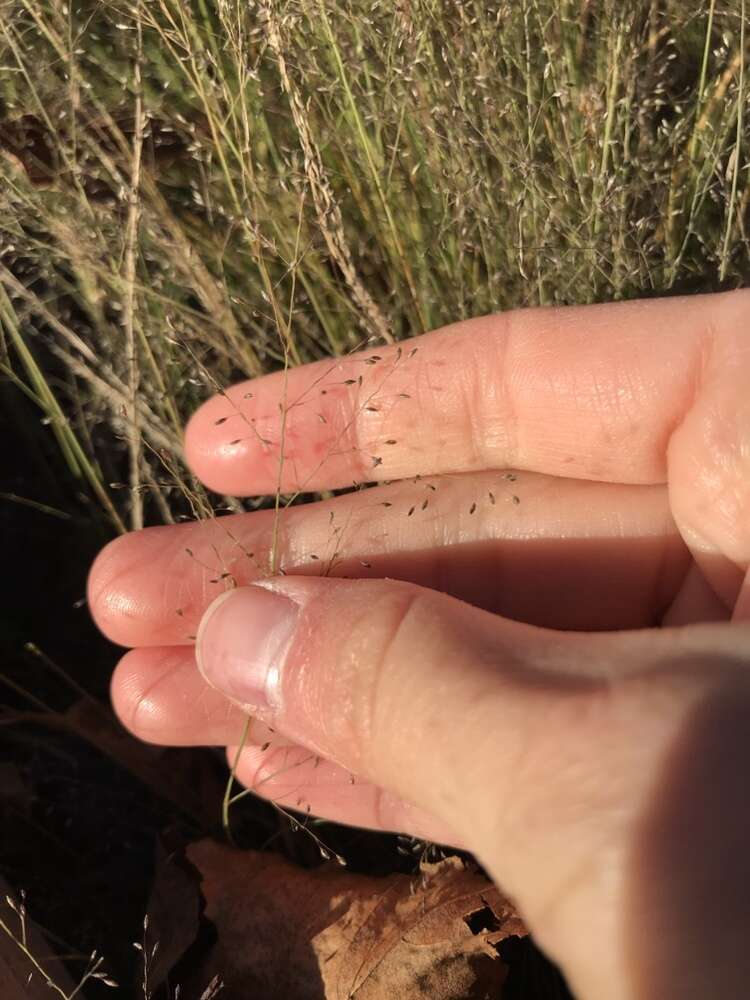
[315,557]
[510,477]
[492,499]
[265,747]
[365,564]
[516,500]
[190,552]
[192,637]
[180,612]
[376,461]
[431,487]
[324,392]
[215,580]
[386,504]
[248,395]
[236,441]
[411,512]
[221,420]
[391,441]
[472,508]
[413,351]
[424,505]
[372,409]
[359,380]
[322,419]
[350,381]
[404,395]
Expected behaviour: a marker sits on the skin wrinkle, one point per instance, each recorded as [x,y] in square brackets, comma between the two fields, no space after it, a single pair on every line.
[363,726]
[141,706]
[106,593]
[145,714]
[664,592]
[419,389]
[268,771]
[259,773]
[381,813]
[699,511]
[505,359]
[475,387]
[703,355]
[353,434]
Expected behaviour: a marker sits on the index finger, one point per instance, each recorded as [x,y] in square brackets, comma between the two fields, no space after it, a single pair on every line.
[590,392]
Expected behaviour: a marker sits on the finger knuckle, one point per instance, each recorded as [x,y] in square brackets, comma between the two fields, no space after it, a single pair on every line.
[380,647]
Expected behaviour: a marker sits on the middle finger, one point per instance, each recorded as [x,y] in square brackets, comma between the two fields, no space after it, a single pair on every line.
[552,552]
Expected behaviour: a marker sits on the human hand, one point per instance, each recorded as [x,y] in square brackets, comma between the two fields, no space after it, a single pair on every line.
[508,687]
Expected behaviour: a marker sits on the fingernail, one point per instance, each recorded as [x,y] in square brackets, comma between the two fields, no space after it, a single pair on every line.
[242,643]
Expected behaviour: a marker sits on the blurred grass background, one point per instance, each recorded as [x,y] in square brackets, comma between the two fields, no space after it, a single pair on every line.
[193,190]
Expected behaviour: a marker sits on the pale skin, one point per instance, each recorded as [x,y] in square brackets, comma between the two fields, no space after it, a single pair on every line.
[549,666]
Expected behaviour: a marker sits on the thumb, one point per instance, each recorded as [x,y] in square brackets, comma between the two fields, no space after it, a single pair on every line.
[581,769]
[394,682]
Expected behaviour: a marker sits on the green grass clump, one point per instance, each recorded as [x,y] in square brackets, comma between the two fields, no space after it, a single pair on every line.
[192,191]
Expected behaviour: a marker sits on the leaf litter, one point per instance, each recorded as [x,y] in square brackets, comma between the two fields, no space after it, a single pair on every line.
[328,934]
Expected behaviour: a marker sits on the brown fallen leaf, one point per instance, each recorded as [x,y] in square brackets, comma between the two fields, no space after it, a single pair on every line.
[172,918]
[306,935]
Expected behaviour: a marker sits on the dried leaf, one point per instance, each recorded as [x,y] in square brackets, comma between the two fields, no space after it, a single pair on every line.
[173,917]
[328,933]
